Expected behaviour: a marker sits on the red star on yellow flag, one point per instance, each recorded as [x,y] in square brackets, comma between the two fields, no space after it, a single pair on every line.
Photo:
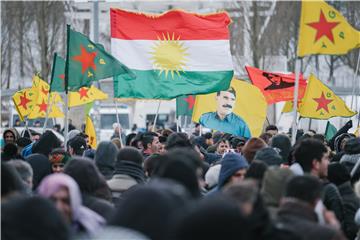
[323,27]
[83,92]
[42,106]
[24,101]
[87,59]
[322,102]
[44,91]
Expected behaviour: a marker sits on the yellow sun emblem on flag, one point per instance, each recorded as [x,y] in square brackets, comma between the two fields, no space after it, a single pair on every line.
[169,55]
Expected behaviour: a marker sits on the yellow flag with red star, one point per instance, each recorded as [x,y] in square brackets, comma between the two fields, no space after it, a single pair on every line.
[320,102]
[86,95]
[23,101]
[90,131]
[41,89]
[323,30]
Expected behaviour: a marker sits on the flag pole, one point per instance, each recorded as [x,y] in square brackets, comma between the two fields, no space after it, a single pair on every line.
[27,127]
[177,123]
[156,116]
[296,93]
[47,113]
[118,122]
[354,80]
[66,125]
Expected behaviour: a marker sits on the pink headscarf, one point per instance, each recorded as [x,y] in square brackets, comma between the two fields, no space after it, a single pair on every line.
[89,219]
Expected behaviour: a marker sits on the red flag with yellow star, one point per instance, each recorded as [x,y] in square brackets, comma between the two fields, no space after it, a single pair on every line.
[320,102]
[41,90]
[87,62]
[323,30]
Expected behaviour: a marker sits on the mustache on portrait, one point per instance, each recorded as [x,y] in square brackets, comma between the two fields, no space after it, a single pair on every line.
[227,106]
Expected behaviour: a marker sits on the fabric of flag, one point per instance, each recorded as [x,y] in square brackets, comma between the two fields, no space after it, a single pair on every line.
[87,62]
[172,54]
[86,95]
[330,131]
[90,131]
[357,132]
[57,83]
[24,102]
[288,107]
[320,102]
[276,87]
[249,105]
[41,100]
[323,30]
[185,105]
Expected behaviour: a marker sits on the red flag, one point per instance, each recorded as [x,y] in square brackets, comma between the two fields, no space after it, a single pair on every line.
[276,87]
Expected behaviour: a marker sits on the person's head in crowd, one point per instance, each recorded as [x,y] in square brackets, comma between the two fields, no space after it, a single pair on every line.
[11,183]
[256,171]
[266,137]
[269,156]
[58,158]
[208,139]
[165,198]
[86,175]
[150,142]
[64,192]
[166,132]
[10,135]
[313,157]
[21,218]
[273,185]
[136,141]
[129,138]
[217,217]
[47,142]
[86,137]
[17,123]
[150,163]
[251,147]
[25,172]
[283,143]
[10,151]
[338,173]
[41,167]
[272,129]
[22,142]
[72,133]
[341,140]
[217,136]
[197,129]
[129,162]
[105,157]
[162,140]
[233,169]
[117,128]
[305,188]
[57,127]
[177,140]
[37,123]
[35,136]
[243,193]
[351,153]
[237,143]
[184,166]
[320,137]
[222,146]
[77,146]
[212,176]
[117,142]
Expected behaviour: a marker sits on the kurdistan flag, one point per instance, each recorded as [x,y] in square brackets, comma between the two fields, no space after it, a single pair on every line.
[172,54]
[323,30]
[320,102]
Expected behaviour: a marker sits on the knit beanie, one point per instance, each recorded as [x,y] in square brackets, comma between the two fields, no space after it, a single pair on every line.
[230,164]
[269,156]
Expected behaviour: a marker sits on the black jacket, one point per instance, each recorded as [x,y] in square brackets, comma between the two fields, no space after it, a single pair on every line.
[98,205]
[333,200]
[302,220]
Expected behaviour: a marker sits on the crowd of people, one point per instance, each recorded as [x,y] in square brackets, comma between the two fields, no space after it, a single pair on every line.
[165,185]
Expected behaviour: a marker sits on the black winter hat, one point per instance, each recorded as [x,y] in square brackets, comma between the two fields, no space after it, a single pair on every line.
[270,156]
[352,146]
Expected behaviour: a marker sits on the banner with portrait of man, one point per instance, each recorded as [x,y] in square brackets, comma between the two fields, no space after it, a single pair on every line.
[239,110]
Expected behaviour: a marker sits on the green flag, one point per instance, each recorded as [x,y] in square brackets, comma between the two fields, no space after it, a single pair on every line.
[57,83]
[330,131]
[185,105]
[87,61]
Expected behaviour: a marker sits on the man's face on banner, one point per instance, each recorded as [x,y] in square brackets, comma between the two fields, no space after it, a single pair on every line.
[225,102]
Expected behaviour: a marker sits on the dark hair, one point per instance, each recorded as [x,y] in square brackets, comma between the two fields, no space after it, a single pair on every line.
[306,188]
[266,137]
[256,170]
[208,135]
[271,127]
[151,162]
[230,90]
[129,138]
[319,137]
[130,154]
[307,151]
[236,141]
[177,140]
[147,138]
[10,180]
